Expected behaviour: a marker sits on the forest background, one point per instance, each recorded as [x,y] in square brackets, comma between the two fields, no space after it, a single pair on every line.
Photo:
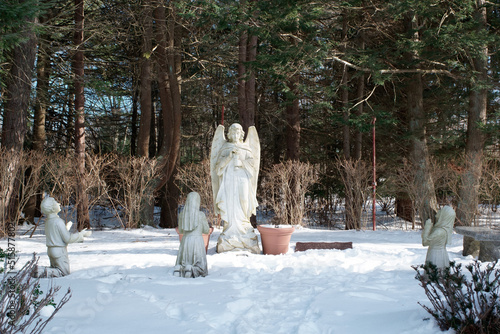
[115,103]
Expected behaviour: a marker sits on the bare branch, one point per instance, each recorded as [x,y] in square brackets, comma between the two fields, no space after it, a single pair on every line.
[396,71]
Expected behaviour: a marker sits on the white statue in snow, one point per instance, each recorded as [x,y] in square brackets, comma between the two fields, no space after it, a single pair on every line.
[437,236]
[57,239]
[234,168]
[192,257]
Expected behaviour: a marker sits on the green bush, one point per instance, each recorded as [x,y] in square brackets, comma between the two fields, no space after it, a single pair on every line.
[466,302]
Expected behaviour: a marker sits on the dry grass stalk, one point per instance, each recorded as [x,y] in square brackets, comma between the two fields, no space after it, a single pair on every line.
[284,187]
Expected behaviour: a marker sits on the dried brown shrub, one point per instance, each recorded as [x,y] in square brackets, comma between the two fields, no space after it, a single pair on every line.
[20,177]
[356,176]
[284,187]
[130,179]
[196,177]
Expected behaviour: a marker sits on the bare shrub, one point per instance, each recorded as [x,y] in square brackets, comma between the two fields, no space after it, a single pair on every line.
[21,301]
[356,176]
[95,175]
[325,200]
[130,180]
[60,181]
[490,184]
[196,177]
[284,187]
[20,177]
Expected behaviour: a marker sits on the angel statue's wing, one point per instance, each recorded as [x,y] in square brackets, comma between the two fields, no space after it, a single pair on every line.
[253,141]
[217,143]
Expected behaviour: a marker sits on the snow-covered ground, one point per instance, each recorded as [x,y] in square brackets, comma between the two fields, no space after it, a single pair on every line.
[122,282]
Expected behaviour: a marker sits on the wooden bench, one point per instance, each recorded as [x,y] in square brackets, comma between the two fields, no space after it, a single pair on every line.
[489,240]
[303,246]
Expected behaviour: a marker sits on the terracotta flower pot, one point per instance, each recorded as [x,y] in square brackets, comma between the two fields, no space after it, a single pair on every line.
[206,237]
[275,240]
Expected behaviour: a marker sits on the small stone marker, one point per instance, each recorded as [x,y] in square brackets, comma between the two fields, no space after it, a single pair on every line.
[303,246]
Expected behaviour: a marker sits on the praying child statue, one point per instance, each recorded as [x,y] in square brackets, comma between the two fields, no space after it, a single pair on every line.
[192,257]
[437,236]
[57,239]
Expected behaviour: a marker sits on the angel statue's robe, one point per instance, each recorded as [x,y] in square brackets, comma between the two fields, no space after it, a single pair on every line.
[235,167]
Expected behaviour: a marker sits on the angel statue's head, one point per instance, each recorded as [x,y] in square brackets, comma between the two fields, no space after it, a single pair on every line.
[235,133]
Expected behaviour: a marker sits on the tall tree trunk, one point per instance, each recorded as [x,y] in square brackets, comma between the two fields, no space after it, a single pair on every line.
[31,209]
[358,139]
[250,85]
[133,135]
[351,220]
[42,97]
[174,127]
[426,201]
[345,99]
[14,127]
[82,203]
[242,98]
[292,118]
[170,202]
[247,53]
[145,81]
[478,99]
[169,82]
[153,131]
[425,195]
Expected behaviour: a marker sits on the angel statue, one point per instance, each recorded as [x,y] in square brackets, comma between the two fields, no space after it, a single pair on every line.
[234,168]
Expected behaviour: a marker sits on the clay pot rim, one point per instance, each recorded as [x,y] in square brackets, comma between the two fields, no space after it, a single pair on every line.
[281,226]
[276,231]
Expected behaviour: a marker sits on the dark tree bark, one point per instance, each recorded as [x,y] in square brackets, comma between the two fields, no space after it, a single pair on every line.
[170,203]
[251,83]
[358,139]
[426,201]
[153,131]
[247,53]
[135,116]
[42,97]
[32,208]
[345,100]
[14,127]
[478,99]
[242,98]
[145,81]
[292,117]
[82,203]
[169,83]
